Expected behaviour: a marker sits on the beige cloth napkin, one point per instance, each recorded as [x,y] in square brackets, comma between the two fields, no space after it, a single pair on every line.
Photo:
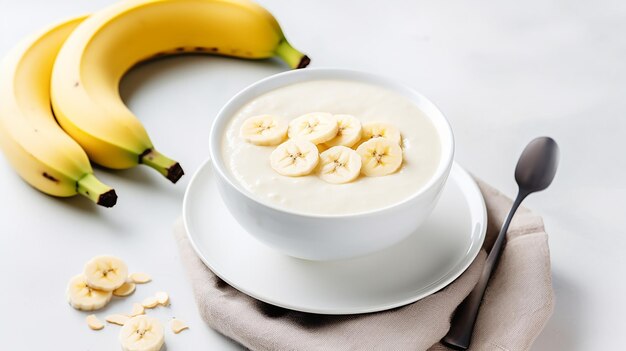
[517,303]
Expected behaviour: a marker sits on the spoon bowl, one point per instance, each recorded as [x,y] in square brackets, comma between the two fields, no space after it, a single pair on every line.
[537,165]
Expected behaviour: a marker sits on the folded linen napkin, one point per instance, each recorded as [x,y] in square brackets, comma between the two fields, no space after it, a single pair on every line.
[517,303]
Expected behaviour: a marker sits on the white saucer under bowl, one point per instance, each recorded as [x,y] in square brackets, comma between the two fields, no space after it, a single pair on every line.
[431,258]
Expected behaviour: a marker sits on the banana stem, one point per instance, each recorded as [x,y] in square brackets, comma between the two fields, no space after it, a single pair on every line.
[96,191]
[164,165]
[293,57]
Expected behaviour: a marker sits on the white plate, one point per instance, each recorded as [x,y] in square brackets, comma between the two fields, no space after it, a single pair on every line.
[431,258]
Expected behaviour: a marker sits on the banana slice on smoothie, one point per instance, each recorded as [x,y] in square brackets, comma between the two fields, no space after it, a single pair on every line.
[105,273]
[142,333]
[339,164]
[84,298]
[294,158]
[316,127]
[380,156]
[263,130]
[348,133]
[373,130]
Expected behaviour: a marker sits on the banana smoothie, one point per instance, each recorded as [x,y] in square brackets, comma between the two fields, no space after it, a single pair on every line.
[331,147]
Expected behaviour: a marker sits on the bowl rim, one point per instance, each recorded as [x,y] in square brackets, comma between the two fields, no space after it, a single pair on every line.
[223,117]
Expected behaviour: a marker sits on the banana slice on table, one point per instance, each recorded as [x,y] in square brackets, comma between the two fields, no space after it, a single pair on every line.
[381,130]
[317,127]
[295,157]
[380,156]
[263,130]
[126,289]
[140,278]
[84,298]
[178,325]
[142,333]
[348,133]
[339,164]
[93,322]
[105,273]
[119,319]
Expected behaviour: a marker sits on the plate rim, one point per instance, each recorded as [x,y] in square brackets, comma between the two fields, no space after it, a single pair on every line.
[464,262]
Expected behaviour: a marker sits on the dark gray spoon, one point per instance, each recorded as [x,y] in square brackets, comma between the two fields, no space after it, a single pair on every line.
[534,172]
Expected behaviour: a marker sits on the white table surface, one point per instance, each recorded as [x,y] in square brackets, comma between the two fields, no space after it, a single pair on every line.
[502,71]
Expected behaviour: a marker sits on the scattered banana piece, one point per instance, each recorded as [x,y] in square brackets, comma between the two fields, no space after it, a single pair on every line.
[105,273]
[163,298]
[139,332]
[94,323]
[84,298]
[138,309]
[339,164]
[373,130]
[316,127]
[295,157]
[177,325]
[119,319]
[126,289]
[150,302]
[380,156]
[140,278]
[263,130]
[142,333]
[348,133]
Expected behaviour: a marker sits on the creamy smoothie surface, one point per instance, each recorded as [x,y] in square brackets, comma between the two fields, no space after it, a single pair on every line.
[250,164]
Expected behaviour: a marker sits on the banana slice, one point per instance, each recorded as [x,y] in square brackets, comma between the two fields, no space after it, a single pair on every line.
[316,127]
[294,157]
[84,298]
[126,289]
[263,130]
[119,319]
[142,333]
[178,325]
[140,278]
[150,302]
[380,156]
[381,130]
[138,309]
[348,133]
[93,322]
[163,298]
[105,273]
[339,164]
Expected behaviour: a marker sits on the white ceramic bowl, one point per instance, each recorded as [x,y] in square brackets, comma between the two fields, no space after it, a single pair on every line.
[328,237]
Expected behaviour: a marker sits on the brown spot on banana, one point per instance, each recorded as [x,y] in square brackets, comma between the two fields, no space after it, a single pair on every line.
[49,177]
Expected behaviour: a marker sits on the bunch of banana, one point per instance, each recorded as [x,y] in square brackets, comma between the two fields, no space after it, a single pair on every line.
[31,139]
[95,57]
[77,69]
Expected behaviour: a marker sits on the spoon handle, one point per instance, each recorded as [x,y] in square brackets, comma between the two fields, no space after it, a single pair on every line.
[462,325]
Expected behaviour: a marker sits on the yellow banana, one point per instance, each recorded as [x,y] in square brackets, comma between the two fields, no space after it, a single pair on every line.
[88,69]
[32,141]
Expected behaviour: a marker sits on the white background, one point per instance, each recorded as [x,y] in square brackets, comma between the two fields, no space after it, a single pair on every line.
[503,72]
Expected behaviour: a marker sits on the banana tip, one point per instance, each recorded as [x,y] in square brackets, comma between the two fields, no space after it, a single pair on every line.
[108,199]
[304,61]
[175,172]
